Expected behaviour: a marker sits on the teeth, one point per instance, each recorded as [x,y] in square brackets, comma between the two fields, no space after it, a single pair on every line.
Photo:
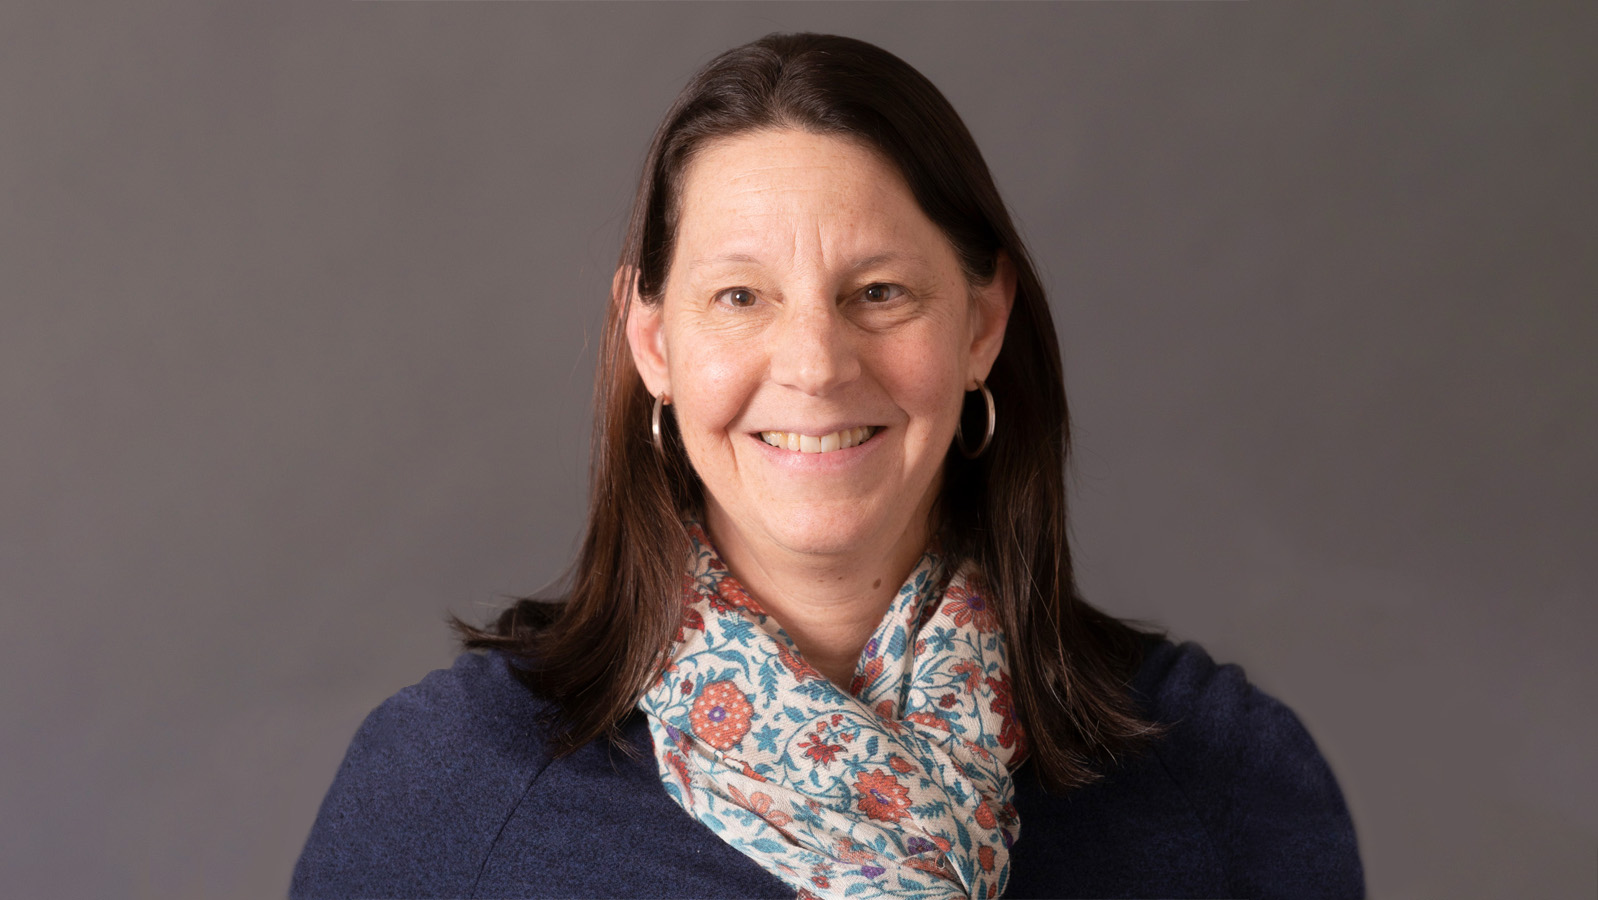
[806,443]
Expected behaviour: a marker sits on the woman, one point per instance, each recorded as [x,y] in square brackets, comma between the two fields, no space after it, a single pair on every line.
[822,637]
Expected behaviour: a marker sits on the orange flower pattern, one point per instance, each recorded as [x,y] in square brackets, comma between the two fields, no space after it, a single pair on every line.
[760,804]
[1010,733]
[882,797]
[720,715]
[794,663]
[970,607]
[896,784]
[984,815]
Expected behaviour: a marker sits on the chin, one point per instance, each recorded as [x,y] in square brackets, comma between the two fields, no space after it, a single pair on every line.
[827,532]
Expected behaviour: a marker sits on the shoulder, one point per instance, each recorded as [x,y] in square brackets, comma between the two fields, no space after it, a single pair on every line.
[1265,796]
[1211,706]
[428,780]
[1232,800]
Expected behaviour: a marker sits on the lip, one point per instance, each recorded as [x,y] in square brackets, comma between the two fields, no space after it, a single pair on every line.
[819,430]
[819,462]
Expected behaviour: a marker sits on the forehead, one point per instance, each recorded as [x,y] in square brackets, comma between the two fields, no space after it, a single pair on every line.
[796,193]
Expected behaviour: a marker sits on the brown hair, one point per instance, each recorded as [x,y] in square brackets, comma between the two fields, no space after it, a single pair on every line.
[595,654]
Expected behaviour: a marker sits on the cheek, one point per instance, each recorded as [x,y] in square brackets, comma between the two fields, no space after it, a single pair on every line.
[926,380]
[710,388]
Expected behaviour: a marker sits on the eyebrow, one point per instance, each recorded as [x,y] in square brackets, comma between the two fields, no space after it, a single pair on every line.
[703,261]
[859,265]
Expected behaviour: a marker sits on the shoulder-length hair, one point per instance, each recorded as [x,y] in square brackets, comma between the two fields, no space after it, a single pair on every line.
[1005,510]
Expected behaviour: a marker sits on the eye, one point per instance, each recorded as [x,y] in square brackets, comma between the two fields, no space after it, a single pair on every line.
[881,293]
[741,298]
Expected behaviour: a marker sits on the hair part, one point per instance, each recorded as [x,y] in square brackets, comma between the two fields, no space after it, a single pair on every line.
[598,652]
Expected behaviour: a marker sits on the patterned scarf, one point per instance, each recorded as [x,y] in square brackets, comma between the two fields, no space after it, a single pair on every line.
[899,787]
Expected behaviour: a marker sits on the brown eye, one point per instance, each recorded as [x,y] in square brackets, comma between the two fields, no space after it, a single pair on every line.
[739,297]
[881,293]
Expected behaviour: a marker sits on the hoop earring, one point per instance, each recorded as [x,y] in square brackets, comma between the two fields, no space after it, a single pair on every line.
[993,416]
[654,422]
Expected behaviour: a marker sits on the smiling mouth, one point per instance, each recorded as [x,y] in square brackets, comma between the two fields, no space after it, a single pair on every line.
[826,443]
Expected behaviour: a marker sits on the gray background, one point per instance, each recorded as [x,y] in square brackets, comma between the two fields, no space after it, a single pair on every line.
[299,305]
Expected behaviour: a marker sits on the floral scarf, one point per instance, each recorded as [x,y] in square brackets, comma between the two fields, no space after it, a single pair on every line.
[899,787]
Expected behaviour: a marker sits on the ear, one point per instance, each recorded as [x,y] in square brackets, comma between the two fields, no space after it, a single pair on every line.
[646,334]
[990,313]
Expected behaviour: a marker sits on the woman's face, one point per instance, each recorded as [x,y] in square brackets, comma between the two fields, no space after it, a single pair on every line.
[815,340]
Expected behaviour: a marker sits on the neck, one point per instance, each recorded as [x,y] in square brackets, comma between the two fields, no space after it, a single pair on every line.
[829,604]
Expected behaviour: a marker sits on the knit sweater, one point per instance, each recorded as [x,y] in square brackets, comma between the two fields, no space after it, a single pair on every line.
[449,789]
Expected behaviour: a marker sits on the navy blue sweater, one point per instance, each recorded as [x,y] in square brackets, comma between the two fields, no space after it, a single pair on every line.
[449,790]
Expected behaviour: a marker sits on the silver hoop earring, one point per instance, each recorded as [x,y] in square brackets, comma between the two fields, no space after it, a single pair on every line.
[654,422]
[993,417]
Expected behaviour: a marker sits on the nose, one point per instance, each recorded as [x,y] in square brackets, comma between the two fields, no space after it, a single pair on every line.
[812,349]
